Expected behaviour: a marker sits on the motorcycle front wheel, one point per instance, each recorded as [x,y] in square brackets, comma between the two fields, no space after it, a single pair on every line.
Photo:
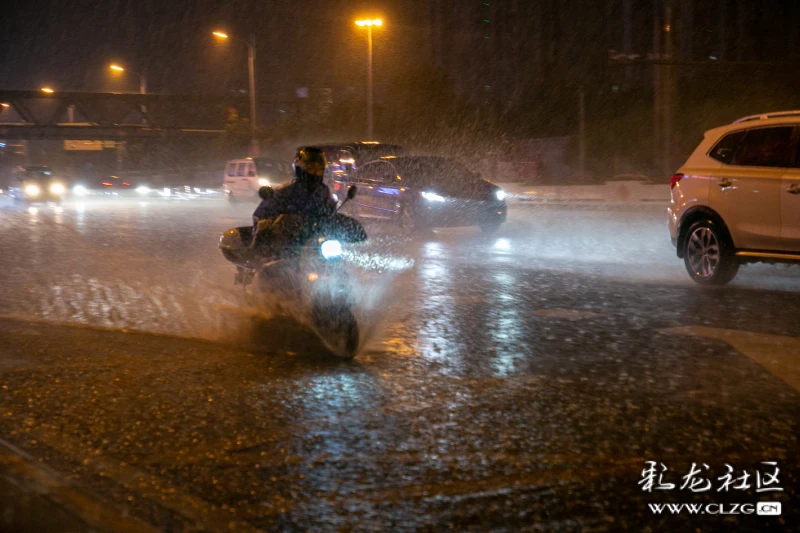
[337,326]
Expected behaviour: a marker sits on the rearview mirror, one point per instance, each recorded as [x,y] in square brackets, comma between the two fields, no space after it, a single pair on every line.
[265,193]
[351,192]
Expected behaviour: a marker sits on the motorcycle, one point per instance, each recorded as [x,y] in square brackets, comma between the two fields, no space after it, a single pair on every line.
[308,274]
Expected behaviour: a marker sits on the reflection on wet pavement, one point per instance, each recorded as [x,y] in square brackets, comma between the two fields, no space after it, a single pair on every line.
[512,382]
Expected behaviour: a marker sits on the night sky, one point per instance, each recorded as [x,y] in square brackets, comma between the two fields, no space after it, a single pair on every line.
[69,44]
[519,60]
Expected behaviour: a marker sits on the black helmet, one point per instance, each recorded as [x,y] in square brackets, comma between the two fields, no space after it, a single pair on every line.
[309,160]
[265,192]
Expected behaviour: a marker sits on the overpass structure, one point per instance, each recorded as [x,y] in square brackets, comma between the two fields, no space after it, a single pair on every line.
[29,115]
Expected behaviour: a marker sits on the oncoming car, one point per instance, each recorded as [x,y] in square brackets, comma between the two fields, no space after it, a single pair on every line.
[736,200]
[243,177]
[34,184]
[426,192]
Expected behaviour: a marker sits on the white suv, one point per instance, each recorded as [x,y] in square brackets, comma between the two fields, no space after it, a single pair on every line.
[737,198]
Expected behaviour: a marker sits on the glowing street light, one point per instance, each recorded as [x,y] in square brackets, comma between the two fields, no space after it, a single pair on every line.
[251,68]
[374,22]
[142,79]
[369,23]
[47,90]
[142,86]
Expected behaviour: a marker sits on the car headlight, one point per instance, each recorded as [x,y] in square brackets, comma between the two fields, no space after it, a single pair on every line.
[263,182]
[57,188]
[432,197]
[331,249]
[500,195]
[32,190]
[79,190]
[143,189]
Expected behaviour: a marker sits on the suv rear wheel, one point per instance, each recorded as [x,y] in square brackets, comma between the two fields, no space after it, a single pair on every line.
[709,255]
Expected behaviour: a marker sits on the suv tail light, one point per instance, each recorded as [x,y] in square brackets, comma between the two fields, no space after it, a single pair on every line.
[674,180]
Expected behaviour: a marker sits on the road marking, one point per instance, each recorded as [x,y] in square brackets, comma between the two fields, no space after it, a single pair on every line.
[777,353]
[568,314]
[51,485]
[155,489]
[469,300]
[577,473]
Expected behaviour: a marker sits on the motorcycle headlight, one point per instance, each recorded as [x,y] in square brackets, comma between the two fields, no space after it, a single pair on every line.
[57,188]
[500,195]
[331,249]
[263,182]
[432,197]
[32,190]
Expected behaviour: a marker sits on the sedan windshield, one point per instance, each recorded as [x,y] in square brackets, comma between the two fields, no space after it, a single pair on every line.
[37,172]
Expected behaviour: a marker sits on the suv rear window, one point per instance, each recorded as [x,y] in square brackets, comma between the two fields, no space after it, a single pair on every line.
[726,148]
[765,147]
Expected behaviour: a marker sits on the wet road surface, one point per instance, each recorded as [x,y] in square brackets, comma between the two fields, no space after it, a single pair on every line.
[517,381]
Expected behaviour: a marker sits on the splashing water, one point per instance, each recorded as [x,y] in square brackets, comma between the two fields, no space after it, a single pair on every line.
[157,269]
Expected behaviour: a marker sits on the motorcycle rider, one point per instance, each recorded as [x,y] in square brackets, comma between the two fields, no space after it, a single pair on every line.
[306,194]
[277,219]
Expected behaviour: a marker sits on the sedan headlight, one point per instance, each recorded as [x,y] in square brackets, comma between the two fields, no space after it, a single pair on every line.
[432,197]
[57,188]
[79,190]
[500,194]
[32,190]
[263,182]
[143,189]
[331,249]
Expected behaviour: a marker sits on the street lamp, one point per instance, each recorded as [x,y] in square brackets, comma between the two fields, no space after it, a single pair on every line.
[142,79]
[369,23]
[47,90]
[142,86]
[251,68]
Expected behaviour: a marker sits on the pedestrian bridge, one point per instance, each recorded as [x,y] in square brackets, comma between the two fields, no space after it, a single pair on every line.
[116,116]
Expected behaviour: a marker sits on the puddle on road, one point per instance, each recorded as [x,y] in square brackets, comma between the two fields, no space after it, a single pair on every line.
[180,286]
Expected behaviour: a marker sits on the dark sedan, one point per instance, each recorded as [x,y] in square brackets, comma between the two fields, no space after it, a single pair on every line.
[345,158]
[426,192]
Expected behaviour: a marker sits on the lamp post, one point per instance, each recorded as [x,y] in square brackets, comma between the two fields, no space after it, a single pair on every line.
[251,68]
[142,86]
[142,79]
[369,24]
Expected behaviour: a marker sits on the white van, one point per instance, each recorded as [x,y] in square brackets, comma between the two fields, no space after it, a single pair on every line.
[243,177]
